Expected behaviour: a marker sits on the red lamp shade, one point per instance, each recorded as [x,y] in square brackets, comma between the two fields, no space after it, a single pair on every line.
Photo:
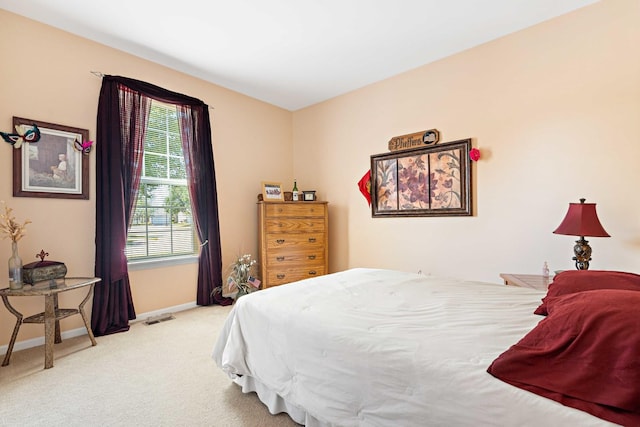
[581,220]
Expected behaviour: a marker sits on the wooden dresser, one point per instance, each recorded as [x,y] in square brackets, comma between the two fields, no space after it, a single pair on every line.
[293,241]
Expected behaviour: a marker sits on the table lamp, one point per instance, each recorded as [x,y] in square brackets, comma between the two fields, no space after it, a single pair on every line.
[581,220]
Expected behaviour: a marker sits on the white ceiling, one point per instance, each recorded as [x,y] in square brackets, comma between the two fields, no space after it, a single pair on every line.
[291,53]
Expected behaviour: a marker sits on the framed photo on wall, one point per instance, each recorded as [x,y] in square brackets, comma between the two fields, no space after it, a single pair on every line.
[52,167]
[430,181]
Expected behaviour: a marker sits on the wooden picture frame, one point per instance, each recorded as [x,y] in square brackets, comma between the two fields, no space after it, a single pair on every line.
[429,181]
[272,191]
[38,169]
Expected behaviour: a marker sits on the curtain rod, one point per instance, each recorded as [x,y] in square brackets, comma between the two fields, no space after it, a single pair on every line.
[101,75]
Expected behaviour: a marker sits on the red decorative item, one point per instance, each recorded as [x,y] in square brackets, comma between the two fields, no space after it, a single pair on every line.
[365,186]
[474,154]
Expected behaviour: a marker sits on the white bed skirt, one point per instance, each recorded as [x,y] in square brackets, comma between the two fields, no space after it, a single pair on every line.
[275,403]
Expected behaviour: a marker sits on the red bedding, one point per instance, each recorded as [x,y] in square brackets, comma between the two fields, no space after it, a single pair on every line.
[573,281]
[585,354]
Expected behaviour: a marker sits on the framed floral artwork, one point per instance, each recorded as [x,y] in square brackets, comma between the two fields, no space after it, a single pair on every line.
[426,181]
[53,166]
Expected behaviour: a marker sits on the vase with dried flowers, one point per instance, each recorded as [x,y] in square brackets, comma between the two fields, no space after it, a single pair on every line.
[15,231]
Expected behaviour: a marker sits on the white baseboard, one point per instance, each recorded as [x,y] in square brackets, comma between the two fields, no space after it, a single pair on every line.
[35,342]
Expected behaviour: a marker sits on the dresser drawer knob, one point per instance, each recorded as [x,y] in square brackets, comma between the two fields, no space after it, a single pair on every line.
[312,239]
[312,273]
[280,241]
[311,257]
[280,276]
[280,258]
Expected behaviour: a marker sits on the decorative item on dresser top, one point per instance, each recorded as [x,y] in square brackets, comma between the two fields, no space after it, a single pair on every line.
[293,241]
[272,191]
[294,193]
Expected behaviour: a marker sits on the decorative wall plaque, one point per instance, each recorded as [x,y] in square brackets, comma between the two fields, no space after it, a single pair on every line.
[414,140]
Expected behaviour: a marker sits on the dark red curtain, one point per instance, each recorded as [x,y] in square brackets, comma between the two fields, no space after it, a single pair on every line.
[121,124]
[195,128]
[123,110]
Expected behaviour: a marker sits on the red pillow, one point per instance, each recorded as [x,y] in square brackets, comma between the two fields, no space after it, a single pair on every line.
[572,281]
[583,355]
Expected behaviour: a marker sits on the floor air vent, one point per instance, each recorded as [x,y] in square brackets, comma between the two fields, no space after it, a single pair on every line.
[152,320]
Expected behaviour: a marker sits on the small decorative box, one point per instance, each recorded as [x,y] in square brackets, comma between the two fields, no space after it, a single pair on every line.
[43,270]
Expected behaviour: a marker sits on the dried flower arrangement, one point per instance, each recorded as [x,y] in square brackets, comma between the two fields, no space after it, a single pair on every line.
[10,227]
[241,276]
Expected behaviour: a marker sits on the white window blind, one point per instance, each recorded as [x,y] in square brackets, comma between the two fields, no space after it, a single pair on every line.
[162,224]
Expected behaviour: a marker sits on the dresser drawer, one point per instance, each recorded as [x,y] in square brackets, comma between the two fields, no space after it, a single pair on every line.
[279,276]
[295,241]
[278,210]
[289,258]
[294,225]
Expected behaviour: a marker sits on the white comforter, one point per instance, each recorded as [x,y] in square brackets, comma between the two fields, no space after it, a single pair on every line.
[368,347]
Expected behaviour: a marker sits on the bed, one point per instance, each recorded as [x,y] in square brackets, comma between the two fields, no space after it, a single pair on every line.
[373,347]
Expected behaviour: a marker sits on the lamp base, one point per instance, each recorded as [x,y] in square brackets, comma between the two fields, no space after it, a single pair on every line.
[582,252]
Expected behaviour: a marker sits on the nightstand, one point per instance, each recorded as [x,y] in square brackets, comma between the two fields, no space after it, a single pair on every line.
[533,281]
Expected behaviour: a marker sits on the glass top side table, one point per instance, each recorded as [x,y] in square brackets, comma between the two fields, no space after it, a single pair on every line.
[52,314]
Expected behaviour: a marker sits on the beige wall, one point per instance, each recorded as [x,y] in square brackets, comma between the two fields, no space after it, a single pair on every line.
[555,111]
[47,77]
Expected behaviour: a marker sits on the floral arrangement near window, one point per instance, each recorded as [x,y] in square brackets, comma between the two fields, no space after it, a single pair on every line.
[241,276]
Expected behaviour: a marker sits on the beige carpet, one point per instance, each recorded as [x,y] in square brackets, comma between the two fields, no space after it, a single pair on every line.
[153,375]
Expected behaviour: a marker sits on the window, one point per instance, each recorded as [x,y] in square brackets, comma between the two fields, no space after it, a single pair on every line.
[162,224]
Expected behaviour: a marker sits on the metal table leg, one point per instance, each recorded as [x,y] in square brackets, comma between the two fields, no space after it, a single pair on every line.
[84,315]
[16,328]
[49,330]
